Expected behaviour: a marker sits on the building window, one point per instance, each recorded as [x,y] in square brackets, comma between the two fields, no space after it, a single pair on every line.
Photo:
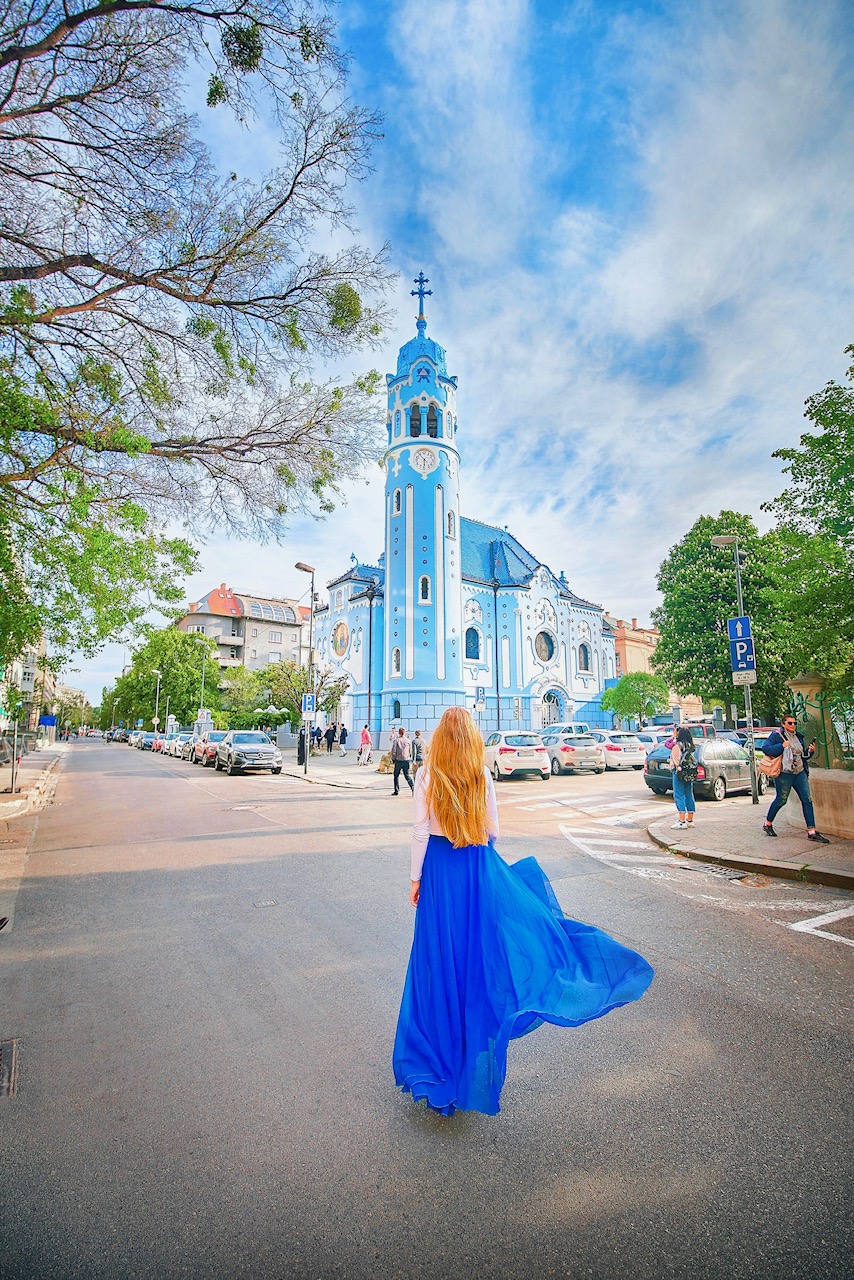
[274,657]
[544,646]
[395,710]
[197,630]
[584,657]
[275,637]
[395,662]
[254,633]
[232,653]
[397,502]
[397,423]
[452,525]
[424,589]
[473,644]
[432,422]
[415,421]
[253,653]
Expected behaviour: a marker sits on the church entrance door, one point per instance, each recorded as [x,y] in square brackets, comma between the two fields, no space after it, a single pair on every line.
[552,708]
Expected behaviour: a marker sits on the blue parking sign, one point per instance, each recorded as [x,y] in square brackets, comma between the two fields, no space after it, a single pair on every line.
[738,628]
[308,701]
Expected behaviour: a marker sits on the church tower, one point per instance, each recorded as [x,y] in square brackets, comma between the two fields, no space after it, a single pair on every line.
[423,659]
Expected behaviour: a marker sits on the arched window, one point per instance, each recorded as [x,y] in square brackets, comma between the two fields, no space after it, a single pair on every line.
[583,657]
[395,663]
[395,710]
[452,525]
[397,423]
[432,422]
[397,502]
[415,421]
[424,589]
[473,644]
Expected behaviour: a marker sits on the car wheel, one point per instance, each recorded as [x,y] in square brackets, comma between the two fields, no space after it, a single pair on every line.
[207,762]
[658,791]
[217,764]
[719,788]
[602,770]
[762,784]
[555,767]
[230,769]
[545,776]
[496,772]
[637,766]
[279,770]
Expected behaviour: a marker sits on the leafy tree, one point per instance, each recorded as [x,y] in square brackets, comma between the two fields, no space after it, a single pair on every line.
[697,582]
[815,517]
[637,695]
[241,693]
[181,657]
[287,682]
[73,710]
[158,317]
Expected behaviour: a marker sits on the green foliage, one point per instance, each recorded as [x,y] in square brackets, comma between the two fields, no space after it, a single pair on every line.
[345,308]
[243,46]
[815,532]
[698,584]
[217,91]
[287,682]
[181,657]
[637,695]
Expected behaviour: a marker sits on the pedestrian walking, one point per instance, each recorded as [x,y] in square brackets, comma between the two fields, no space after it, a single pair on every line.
[330,738]
[317,735]
[787,745]
[683,762]
[392,737]
[366,746]
[417,752]
[493,955]
[342,739]
[401,754]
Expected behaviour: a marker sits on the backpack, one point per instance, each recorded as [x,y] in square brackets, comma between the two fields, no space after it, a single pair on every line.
[688,771]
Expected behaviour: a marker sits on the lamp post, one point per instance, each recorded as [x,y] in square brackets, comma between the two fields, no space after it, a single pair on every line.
[730,540]
[159,675]
[308,568]
[495,584]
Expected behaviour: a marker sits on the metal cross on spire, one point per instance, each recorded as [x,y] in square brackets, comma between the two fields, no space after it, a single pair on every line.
[421,292]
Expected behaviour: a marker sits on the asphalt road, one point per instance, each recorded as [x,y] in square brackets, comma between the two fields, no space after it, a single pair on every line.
[202,978]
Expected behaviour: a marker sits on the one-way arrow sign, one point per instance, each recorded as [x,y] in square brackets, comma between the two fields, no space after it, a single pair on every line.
[738,628]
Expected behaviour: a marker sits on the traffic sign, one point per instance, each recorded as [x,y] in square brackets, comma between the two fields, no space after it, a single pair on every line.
[741,655]
[744,677]
[738,628]
[480,694]
[308,704]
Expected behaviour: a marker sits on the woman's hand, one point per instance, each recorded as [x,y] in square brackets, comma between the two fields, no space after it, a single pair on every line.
[414,891]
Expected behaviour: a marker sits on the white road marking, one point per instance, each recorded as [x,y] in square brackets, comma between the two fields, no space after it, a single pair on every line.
[815,925]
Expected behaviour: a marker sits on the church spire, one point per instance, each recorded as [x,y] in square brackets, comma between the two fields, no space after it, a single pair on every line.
[421,293]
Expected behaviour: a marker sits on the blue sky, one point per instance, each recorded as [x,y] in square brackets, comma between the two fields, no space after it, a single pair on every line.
[637,223]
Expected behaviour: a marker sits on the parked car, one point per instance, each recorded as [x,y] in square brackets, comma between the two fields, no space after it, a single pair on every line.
[723,768]
[204,748]
[760,737]
[176,744]
[622,750]
[133,737]
[701,730]
[188,747]
[654,737]
[157,744]
[145,741]
[248,749]
[514,753]
[574,728]
[166,742]
[568,753]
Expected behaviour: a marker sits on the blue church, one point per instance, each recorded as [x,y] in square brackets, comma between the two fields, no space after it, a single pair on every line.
[455,612]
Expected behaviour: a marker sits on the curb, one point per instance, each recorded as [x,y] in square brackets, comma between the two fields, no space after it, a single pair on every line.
[34,795]
[808,873]
[325,782]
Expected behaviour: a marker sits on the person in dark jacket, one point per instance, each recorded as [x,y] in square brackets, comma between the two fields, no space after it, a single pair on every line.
[793,776]
[330,737]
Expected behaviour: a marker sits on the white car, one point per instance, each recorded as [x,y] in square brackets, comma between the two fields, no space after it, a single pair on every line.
[651,738]
[575,729]
[176,746]
[515,752]
[622,750]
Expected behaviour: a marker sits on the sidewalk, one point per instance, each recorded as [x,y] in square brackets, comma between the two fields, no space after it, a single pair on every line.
[338,771]
[731,833]
[36,775]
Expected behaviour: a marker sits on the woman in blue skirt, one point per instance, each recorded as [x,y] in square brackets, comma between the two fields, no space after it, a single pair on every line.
[493,955]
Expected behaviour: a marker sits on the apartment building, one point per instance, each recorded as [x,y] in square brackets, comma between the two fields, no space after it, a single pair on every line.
[250,631]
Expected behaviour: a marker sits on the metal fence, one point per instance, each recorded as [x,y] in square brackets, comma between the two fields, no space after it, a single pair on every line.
[828,720]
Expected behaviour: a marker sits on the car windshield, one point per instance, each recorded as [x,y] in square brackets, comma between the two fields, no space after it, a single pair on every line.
[522,740]
[624,740]
[184,737]
[581,740]
[216,737]
[245,739]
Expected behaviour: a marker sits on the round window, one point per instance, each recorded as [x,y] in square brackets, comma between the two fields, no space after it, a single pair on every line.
[545,646]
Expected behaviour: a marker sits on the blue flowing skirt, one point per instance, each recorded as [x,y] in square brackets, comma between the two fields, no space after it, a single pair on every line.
[493,957]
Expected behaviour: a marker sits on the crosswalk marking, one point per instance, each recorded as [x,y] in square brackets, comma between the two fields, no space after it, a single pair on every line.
[815,925]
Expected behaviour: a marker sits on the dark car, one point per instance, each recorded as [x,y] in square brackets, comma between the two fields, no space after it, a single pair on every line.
[204,748]
[145,742]
[724,768]
[185,752]
[248,749]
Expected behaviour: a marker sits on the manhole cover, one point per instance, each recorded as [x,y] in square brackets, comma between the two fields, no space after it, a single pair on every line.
[266,902]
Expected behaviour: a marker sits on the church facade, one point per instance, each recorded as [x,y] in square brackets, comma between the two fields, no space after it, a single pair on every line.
[455,612]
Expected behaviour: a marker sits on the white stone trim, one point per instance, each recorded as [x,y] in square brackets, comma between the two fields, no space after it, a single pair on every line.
[439,585]
[409,602]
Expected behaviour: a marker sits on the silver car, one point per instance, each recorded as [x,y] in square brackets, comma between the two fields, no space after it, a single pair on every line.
[622,750]
[248,749]
[568,753]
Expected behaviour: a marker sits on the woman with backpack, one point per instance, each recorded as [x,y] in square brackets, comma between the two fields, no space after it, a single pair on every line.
[683,762]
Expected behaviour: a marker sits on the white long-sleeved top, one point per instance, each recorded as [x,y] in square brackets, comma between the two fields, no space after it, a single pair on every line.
[425,823]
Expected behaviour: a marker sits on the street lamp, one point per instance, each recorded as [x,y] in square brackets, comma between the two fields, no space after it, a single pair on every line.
[730,540]
[308,568]
[159,675]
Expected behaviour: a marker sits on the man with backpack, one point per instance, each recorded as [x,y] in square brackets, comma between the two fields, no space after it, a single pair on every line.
[401,754]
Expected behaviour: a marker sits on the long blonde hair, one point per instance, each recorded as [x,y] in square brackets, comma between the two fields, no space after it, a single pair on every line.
[456,785]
